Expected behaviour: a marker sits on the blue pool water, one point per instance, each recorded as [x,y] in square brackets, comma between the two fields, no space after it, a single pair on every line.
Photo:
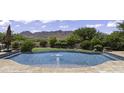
[61,58]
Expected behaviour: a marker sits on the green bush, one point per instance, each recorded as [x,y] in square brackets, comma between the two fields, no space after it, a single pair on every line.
[85,33]
[61,44]
[72,40]
[15,45]
[96,41]
[115,40]
[52,41]
[85,44]
[122,46]
[98,48]
[27,46]
[43,43]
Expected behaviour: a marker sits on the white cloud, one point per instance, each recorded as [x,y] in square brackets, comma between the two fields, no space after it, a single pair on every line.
[25,21]
[113,23]
[43,26]
[17,25]
[47,21]
[29,21]
[5,22]
[95,25]
[68,20]
[61,20]
[33,31]
[63,26]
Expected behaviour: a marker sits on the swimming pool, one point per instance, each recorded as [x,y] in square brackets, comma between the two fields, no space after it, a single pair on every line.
[61,59]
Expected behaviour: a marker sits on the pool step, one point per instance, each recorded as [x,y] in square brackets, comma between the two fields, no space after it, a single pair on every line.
[112,56]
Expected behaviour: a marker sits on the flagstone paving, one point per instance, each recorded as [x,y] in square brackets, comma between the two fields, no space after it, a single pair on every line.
[7,65]
[120,53]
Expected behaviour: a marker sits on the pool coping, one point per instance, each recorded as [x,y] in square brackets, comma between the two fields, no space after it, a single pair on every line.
[63,51]
[116,56]
[106,54]
[112,58]
[18,53]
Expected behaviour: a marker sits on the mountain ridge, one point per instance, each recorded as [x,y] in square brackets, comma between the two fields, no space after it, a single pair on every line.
[46,34]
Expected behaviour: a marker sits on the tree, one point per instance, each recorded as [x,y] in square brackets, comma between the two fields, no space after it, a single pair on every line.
[52,41]
[120,26]
[85,33]
[119,35]
[27,46]
[15,45]
[61,44]
[8,37]
[18,37]
[118,40]
[96,41]
[85,44]
[43,43]
[1,37]
[113,40]
[100,35]
[98,48]
[72,40]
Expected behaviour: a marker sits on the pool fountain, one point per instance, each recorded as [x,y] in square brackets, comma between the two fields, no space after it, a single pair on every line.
[57,59]
[61,59]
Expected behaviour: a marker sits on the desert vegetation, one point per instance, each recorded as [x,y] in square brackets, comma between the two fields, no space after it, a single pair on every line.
[83,38]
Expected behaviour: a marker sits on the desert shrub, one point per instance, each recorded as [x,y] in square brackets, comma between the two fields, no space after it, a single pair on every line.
[27,46]
[72,40]
[96,41]
[52,41]
[43,43]
[15,45]
[98,48]
[85,44]
[85,33]
[61,44]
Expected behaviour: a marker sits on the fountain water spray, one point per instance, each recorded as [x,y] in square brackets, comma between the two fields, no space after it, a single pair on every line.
[57,59]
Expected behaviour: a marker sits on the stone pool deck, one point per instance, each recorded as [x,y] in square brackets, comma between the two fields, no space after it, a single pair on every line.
[9,66]
[120,53]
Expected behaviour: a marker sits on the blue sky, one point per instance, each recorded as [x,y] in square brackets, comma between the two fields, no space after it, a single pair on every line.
[106,26]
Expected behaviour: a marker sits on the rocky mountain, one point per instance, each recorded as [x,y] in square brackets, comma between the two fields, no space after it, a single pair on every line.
[26,33]
[45,34]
